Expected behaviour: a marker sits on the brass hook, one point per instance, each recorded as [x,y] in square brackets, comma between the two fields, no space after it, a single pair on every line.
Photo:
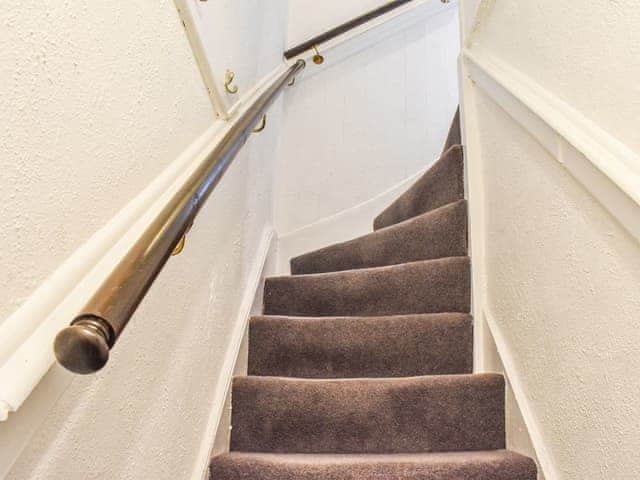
[177,250]
[180,246]
[228,79]
[317,58]
[263,124]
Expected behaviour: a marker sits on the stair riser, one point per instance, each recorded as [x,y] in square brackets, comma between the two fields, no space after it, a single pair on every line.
[437,234]
[432,286]
[421,414]
[350,347]
[496,465]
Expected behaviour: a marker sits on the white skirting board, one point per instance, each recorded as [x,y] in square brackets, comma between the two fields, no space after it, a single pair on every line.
[251,292]
[531,423]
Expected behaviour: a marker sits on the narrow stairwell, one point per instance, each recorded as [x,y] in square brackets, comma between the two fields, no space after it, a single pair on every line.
[361,366]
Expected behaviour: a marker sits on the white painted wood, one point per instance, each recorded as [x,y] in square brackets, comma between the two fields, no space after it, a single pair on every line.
[223,387]
[210,78]
[602,163]
[474,190]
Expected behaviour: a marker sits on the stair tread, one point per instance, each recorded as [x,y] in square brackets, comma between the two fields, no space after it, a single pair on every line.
[351,347]
[477,465]
[442,184]
[382,415]
[436,234]
[428,286]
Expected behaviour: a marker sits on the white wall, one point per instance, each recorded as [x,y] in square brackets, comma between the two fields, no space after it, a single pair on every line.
[358,127]
[308,18]
[550,91]
[586,53]
[89,116]
[99,98]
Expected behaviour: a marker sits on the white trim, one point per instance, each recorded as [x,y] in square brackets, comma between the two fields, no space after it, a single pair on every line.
[537,439]
[192,28]
[474,192]
[226,372]
[604,165]
[374,31]
[26,336]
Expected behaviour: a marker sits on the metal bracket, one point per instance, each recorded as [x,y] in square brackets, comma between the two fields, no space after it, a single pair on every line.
[317,58]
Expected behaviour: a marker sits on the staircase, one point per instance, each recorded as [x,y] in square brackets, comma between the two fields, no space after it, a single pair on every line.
[361,366]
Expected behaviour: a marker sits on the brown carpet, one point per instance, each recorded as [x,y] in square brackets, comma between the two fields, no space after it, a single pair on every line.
[443,183]
[360,367]
[436,234]
[488,465]
[366,347]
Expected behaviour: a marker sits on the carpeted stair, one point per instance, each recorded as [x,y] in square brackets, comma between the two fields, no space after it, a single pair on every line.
[360,367]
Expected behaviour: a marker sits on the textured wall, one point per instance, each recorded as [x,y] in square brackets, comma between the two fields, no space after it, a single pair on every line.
[96,99]
[562,274]
[586,52]
[563,283]
[358,128]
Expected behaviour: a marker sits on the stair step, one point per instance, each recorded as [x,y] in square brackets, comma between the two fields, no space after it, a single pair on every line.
[351,347]
[454,136]
[436,234]
[443,183]
[482,465]
[430,286]
[401,415]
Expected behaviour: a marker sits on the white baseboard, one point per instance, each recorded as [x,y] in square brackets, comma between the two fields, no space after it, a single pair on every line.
[504,352]
[223,386]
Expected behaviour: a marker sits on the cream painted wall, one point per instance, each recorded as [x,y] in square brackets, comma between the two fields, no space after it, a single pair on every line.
[97,98]
[560,274]
[586,52]
[357,128]
[309,18]
[563,283]
[88,117]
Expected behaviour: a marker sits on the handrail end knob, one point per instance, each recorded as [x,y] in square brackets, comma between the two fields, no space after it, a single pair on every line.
[83,347]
